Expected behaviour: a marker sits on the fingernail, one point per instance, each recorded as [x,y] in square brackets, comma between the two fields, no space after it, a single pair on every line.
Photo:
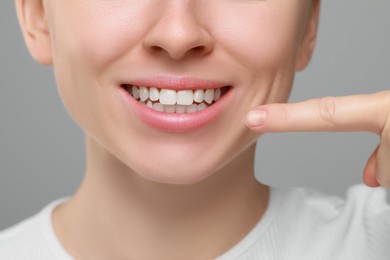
[256,118]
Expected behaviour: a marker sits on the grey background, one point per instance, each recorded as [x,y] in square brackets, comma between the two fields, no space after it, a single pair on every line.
[42,150]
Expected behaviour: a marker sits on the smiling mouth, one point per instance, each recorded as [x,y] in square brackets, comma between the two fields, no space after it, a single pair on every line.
[176,101]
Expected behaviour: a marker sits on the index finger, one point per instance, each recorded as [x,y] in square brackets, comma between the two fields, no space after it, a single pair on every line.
[328,114]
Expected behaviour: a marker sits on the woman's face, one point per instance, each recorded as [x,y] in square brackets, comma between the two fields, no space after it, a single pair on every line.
[100,46]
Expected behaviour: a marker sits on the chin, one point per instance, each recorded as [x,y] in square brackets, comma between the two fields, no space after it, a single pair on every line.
[175,174]
[180,179]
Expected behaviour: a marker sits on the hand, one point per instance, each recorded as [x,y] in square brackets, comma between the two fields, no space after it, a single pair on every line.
[370,113]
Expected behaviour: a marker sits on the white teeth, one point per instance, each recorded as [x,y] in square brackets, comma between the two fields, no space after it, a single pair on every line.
[154,94]
[149,104]
[135,92]
[168,97]
[158,107]
[209,96]
[202,106]
[143,93]
[198,95]
[172,101]
[192,108]
[180,109]
[217,94]
[169,108]
[184,97]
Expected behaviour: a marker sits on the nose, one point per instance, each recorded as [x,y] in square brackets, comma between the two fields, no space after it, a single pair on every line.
[177,33]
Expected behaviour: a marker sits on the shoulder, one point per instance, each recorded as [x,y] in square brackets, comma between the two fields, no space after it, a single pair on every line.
[22,236]
[303,223]
[29,239]
[357,225]
[360,202]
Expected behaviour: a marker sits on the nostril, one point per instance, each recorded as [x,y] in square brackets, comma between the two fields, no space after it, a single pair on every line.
[178,42]
[198,48]
[156,49]
[179,54]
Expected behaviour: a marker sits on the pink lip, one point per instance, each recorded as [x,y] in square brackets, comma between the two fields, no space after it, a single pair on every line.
[177,83]
[176,122]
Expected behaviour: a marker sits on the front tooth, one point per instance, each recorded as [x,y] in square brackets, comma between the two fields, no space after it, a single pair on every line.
[180,109]
[217,94]
[158,106]
[199,95]
[168,97]
[192,108]
[169,108]
[143,93]
[154,94]
[135,92]
[209,95]
[149,104]
[184,97]
[202,106]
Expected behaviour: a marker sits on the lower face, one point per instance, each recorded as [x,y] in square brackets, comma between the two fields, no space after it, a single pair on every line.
[105,51]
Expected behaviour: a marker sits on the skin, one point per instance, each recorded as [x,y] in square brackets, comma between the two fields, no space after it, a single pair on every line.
[335,114]
[139,192]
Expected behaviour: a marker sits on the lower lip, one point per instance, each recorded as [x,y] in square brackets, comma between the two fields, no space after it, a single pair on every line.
[177,122]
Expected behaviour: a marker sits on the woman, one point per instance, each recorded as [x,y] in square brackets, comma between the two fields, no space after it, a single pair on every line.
[162,90]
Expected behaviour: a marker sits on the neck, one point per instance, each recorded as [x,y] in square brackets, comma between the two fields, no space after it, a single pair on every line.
[118,214]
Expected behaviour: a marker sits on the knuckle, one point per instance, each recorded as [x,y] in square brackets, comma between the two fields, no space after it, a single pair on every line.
[385,129]
[285,113]
[384,180]
[327,110]
[381,112]
[384,100]
[386,96]
[386,138]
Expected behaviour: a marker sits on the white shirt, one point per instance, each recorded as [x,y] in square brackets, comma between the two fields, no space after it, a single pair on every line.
[299,223]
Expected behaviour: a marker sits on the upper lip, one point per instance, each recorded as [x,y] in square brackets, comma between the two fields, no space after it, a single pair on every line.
[177,83]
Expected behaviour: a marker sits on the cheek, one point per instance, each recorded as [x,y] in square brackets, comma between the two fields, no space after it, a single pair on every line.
[271,38]
[98,32]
